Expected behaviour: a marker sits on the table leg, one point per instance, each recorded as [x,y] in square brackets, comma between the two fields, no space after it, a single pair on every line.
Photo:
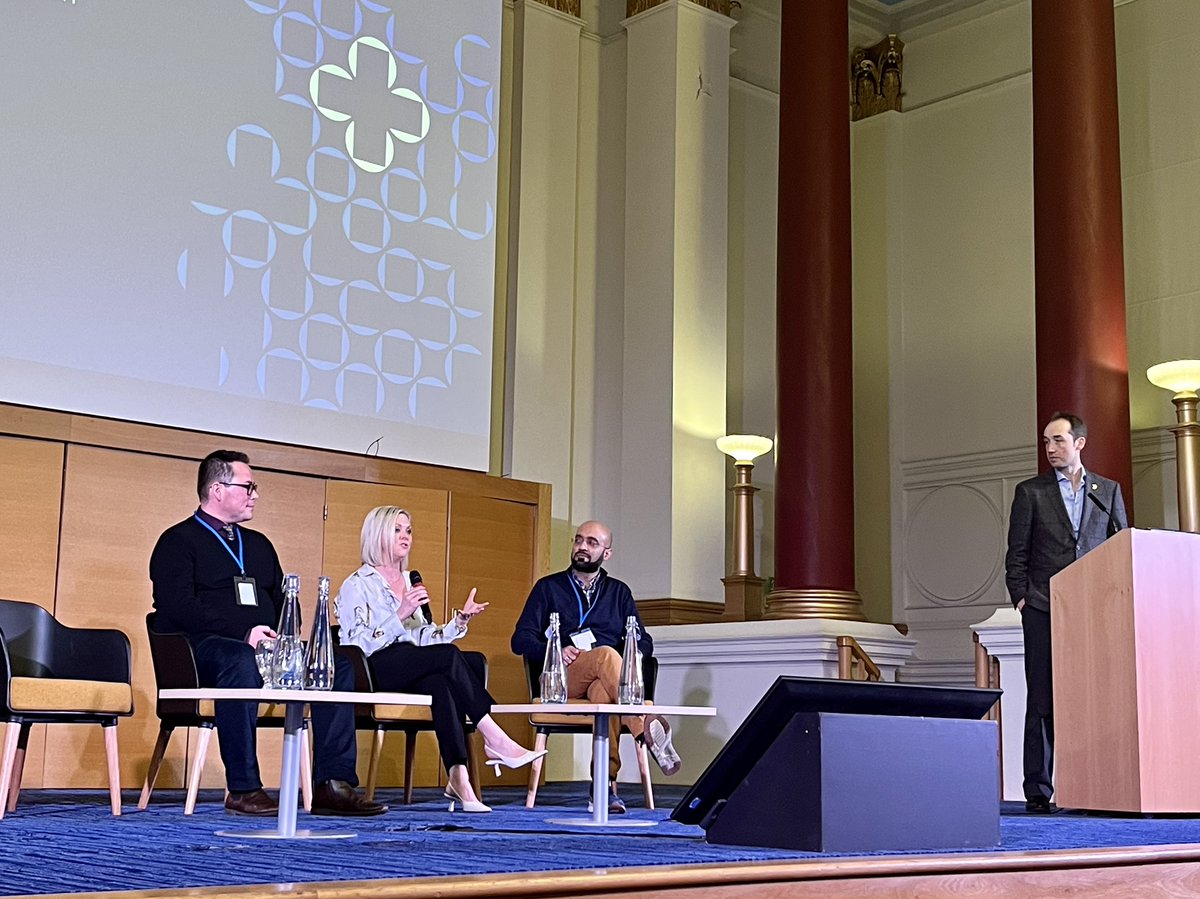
[599,816]
[289,787]
[600,769]
[289,770]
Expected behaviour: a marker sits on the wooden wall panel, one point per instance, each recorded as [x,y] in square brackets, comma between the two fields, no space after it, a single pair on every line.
[492,548]
[348,503]
[30,508]
[32,473]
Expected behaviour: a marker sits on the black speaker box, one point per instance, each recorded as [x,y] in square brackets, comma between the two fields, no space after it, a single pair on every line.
[915,770]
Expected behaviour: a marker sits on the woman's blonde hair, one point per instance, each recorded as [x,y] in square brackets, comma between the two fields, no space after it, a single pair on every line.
[378,539]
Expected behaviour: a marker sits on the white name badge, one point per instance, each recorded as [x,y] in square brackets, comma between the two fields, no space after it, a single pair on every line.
[583,639]
[247,595]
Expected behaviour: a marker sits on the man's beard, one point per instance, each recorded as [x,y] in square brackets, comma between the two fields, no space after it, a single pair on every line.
[585,567]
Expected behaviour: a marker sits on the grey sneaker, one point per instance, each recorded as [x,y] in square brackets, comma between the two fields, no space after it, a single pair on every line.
[658,740]
[616,805]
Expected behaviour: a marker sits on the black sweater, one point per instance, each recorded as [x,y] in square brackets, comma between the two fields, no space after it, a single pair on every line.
[555,593]
[193,574]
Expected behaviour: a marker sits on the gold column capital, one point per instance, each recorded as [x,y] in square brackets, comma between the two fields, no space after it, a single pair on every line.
[876,74]
[570,7]
[633,7]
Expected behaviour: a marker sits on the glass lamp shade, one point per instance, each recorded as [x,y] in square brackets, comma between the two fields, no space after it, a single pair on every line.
[1179,376]
[744,448]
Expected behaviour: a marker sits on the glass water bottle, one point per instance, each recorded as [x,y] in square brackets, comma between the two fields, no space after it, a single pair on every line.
[631,689]
[318,663]
[287,667]
[554,669]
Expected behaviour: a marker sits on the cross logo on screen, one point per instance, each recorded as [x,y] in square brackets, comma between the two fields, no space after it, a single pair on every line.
[371,128]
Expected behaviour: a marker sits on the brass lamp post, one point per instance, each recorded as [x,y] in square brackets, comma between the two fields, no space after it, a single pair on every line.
[743,589]
[1182,378]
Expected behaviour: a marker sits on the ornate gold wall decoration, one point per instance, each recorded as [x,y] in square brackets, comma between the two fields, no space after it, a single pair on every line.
[875,78]
[633,7]
[570,7]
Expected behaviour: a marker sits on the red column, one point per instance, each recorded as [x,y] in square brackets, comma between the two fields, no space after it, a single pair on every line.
[814,460]
[1082,363]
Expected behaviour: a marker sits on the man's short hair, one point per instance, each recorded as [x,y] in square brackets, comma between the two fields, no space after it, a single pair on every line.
[217,466]
[1078,428]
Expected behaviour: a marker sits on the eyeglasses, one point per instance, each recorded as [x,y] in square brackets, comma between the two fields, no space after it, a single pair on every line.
[249,486]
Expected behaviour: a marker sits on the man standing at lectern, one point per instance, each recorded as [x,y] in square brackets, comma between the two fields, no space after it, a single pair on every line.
[1057,517]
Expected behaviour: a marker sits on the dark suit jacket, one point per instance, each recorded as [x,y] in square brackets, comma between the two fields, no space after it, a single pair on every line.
[1040,539]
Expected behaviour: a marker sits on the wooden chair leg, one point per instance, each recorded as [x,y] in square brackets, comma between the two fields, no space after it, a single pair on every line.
[535,770]
[160,750]
[11,730]
[203,737]
[14,788]
[114,765]
[473,764]
[373,767]
[643,758]
[410,760]
[306,784]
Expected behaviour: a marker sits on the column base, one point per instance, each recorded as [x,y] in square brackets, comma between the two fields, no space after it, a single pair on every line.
[841,605]
[743,598]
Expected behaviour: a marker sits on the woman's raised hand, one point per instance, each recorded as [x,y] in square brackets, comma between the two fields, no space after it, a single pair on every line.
[470,609]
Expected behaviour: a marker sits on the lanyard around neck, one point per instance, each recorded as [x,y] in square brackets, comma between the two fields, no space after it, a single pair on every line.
[237,558]
[579,597]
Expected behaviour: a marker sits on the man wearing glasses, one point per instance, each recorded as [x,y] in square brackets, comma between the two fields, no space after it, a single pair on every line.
[592,608]
[221,585]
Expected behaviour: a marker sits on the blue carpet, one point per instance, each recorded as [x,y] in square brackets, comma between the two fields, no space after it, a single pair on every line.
[60,842]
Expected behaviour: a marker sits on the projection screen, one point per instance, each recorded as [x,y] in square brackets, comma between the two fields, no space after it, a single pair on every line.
[272,219]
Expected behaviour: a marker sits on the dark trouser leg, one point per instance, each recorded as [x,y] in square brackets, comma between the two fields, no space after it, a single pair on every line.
[1039,704]
[440,671]
[334,748]
[225,662]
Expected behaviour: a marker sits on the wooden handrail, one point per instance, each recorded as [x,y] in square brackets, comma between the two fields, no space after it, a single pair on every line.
[850,652]
[987,674]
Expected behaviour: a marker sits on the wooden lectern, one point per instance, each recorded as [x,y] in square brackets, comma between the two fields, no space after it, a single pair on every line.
[1126,644]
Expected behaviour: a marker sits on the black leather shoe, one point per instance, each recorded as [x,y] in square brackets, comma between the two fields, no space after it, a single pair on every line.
[1038,805]
[257,804]
[336,797]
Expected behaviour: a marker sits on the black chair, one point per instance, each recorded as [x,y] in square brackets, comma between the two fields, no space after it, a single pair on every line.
[545,724]
[175,669]
[411,719]
[54,674]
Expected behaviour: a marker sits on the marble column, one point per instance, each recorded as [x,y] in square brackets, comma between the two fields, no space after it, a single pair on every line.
[814,457]
[670,540]
[541,261]
[1082,363]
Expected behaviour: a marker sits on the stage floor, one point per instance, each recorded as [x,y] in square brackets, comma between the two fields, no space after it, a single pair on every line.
[67,842]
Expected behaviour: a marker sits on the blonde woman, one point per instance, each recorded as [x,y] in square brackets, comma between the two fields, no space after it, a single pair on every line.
[383,613]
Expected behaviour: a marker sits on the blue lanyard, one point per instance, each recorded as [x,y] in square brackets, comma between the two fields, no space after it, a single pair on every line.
[238,558]
[579,599]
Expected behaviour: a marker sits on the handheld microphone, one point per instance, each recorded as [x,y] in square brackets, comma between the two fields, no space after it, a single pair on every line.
[1113,527]
[414,578]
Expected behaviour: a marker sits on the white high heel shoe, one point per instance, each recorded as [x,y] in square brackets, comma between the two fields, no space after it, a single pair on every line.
[515,761]
[473,805]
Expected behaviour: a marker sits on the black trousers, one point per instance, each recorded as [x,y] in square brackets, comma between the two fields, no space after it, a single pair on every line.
[1039,704]
[225,662]
[442,672]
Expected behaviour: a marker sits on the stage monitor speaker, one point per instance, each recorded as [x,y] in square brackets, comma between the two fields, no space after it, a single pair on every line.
[825,765]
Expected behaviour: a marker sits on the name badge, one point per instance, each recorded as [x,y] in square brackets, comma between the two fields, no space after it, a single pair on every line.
[583,639]
[245,591]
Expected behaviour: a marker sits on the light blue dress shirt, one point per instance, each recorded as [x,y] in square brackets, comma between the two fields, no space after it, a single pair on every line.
[1072,498]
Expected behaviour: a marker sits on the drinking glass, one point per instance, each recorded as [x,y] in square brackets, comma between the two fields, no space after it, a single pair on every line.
[264,652]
